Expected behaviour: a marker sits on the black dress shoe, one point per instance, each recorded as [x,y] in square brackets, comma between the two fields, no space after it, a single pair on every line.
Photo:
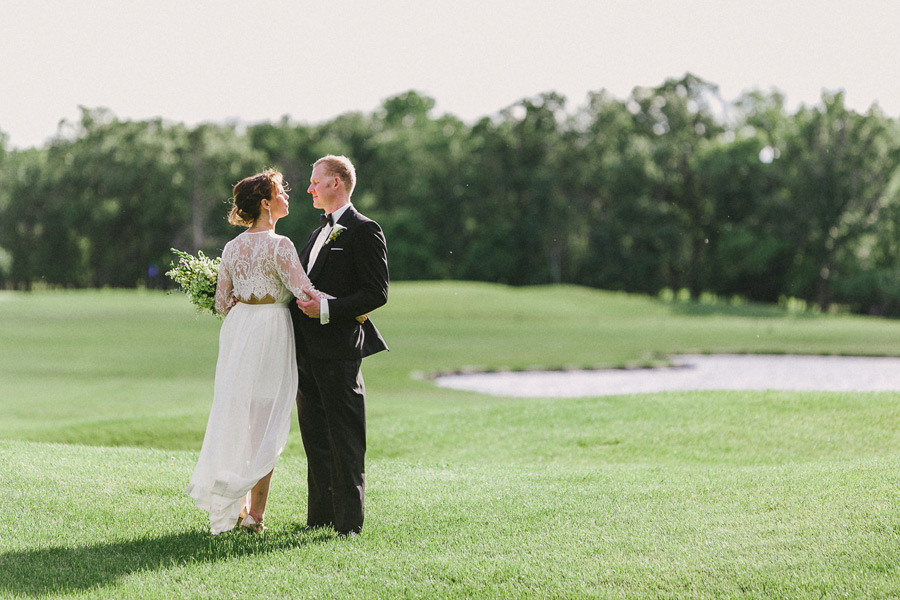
[347,534]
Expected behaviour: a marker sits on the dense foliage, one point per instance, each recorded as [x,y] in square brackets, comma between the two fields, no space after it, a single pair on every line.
[671,188]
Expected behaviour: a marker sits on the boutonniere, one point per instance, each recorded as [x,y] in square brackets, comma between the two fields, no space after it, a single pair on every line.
[338,230]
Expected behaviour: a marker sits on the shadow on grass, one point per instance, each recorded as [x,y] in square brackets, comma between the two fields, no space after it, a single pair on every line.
[53,571]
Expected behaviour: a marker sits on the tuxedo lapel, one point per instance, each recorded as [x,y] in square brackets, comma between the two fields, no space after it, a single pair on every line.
[316,268]
[310,268]
[304,254]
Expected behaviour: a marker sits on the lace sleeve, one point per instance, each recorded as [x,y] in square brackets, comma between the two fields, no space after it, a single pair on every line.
[292,273]
[224,290]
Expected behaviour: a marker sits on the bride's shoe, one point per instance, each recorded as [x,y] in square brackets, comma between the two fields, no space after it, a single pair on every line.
[250,524]
[242,516]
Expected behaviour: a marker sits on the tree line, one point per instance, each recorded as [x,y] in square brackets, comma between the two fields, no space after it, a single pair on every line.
[671,188]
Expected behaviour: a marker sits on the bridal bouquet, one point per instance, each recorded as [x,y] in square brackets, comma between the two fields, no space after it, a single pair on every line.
[196,276]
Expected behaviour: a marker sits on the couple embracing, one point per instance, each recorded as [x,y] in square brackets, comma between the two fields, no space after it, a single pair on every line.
[296,330]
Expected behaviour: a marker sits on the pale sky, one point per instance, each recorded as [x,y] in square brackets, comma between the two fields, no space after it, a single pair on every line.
[195,61]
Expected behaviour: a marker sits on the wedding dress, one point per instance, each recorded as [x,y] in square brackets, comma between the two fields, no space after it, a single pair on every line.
[256,373]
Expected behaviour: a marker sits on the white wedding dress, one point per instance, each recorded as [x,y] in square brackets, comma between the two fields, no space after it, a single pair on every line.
[256,373]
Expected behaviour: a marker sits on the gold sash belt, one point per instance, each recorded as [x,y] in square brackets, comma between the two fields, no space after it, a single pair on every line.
[266,300]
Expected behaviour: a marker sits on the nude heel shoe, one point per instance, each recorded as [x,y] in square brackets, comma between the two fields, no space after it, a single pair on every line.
[250,524]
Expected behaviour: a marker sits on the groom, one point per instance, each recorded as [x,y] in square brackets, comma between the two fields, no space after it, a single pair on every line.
[346,258]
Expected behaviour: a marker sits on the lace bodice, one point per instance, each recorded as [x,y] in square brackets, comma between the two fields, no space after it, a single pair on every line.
[261,266]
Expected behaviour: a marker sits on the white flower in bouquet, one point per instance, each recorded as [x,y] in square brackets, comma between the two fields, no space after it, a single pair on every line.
[196,276]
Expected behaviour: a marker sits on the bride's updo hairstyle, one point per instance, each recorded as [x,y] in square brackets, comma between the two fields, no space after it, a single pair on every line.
[248,193]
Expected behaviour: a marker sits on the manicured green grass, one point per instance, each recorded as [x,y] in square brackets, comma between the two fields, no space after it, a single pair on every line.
[674,495]
[136,368]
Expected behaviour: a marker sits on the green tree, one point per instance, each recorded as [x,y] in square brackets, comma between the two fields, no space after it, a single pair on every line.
[669,188]
[113,191]
[751,249]
[840,165]
[677,120]
[623,234]
[410,172]
[519,195]
[218,158]
[28,220]
[6,176]
[112,197]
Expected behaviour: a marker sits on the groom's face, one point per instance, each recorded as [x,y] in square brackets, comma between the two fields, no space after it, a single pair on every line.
[322,188]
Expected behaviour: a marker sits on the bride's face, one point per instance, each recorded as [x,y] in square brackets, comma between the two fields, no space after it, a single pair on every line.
[278,204]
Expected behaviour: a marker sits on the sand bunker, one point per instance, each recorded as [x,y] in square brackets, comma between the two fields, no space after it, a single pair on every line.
[695,372]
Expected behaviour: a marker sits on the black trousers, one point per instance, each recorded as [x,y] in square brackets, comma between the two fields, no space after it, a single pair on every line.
[331,408]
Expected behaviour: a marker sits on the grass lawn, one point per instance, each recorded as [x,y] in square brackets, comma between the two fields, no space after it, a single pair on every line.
[104,397]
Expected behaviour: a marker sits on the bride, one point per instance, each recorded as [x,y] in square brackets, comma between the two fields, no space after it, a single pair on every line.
[256,372]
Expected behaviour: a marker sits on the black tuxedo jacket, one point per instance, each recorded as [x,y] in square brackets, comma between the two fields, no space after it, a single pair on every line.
[353,268]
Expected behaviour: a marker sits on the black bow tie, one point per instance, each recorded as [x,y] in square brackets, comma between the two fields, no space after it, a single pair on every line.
[326,219]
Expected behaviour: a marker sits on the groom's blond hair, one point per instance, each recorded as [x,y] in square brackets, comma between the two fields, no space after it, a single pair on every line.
[339,166]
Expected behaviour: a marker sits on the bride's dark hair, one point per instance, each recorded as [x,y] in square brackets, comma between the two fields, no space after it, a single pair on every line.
[249,192]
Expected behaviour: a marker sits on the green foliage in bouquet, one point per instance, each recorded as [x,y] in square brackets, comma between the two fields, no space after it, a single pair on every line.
[196,276]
